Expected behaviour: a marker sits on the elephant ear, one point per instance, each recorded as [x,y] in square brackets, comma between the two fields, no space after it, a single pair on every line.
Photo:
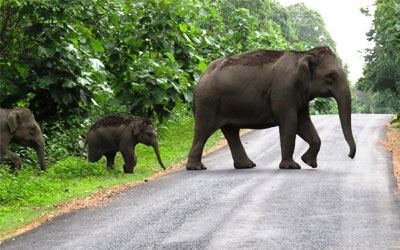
[137,127]
[13,120]
[305,66]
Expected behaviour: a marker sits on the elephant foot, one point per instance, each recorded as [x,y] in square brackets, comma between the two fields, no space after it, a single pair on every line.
[128,170]
[309,160]
[195,166]
[289,165]
[246,164]
[112,167]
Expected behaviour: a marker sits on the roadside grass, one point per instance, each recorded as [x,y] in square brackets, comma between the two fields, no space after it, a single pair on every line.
[30,194]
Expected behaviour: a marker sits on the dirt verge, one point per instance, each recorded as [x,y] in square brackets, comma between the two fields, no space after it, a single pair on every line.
[392,144]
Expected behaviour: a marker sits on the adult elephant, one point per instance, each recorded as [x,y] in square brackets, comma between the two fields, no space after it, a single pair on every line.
[19,126]
[266,88]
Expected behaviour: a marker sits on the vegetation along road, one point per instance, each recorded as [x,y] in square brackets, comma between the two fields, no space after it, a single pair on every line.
[342,204]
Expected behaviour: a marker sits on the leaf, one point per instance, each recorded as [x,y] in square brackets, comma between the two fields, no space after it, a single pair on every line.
[71,48]
[96,64]
[21,69]
[97,45]
[45,52]
[171,57]
[213,11]
[188,94]
[203,12]
[187,38]
[193,26]
[138,43]
[83,81]
[183,81]
[207,40]
[66,98]
[183,27]
[202,66]
[69,84]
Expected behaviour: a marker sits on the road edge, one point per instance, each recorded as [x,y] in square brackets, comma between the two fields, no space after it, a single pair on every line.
[392,144]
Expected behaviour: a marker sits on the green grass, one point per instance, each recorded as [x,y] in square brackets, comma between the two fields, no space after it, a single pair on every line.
[29,194]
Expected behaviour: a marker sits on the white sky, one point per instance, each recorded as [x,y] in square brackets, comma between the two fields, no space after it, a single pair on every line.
[347,26]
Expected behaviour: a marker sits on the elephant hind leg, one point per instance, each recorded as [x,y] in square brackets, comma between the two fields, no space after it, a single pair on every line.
[240,158]
[94,155]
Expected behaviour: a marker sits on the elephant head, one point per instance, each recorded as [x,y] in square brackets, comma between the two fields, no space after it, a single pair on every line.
[25,131]
[322,76]
[146,133]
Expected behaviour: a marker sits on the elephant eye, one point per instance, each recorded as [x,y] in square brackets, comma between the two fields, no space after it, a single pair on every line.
[330,78]
[32,129]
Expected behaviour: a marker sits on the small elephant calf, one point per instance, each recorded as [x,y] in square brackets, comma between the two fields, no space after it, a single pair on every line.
[114,133]
[19,126]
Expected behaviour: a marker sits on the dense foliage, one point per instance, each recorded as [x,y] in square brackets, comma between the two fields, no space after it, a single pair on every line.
[65,59]
[381,76]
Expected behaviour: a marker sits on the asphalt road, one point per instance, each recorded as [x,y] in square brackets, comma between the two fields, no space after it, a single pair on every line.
[343,204]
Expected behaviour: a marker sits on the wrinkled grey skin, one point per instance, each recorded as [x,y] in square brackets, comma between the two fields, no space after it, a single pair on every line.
[19,126]
[114,133]
[263,89]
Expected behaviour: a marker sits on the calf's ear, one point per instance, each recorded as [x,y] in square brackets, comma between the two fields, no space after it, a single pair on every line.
[13,120]
[136,127]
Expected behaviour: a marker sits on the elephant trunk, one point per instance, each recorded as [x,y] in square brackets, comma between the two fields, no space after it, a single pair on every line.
[155,146]
[40,155]
[344,104]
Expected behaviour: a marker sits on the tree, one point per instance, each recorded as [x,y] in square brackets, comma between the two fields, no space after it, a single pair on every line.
[309,26]
[47,60]
[382,69]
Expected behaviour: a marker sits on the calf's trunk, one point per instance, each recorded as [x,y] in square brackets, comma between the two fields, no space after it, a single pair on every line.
[155,146]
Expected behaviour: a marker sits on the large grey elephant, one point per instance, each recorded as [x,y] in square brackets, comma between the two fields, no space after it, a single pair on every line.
[19,126]
[266,88]
[114,133]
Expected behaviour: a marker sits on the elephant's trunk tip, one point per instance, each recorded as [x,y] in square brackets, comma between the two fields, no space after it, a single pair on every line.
[352,152]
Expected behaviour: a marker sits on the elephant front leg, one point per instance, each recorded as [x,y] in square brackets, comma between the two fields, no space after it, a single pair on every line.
[287,130]
[129,160]
[203,130]
[196,151]
[307,132]
[15,159]
[240,158]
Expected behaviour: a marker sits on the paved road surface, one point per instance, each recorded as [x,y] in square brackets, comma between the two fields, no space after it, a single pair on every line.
[343,204]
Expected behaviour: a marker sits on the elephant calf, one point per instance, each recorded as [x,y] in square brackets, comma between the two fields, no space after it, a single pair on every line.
[19,126]
[114,133]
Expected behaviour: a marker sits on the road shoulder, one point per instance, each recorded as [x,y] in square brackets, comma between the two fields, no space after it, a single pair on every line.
[392,144]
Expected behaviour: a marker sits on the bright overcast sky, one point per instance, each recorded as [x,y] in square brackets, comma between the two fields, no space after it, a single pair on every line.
[347,26]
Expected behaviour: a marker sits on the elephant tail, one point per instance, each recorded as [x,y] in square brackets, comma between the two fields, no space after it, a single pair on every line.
[194,106]
[83,149]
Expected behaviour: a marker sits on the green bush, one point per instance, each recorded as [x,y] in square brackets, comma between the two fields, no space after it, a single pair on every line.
[74,167]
